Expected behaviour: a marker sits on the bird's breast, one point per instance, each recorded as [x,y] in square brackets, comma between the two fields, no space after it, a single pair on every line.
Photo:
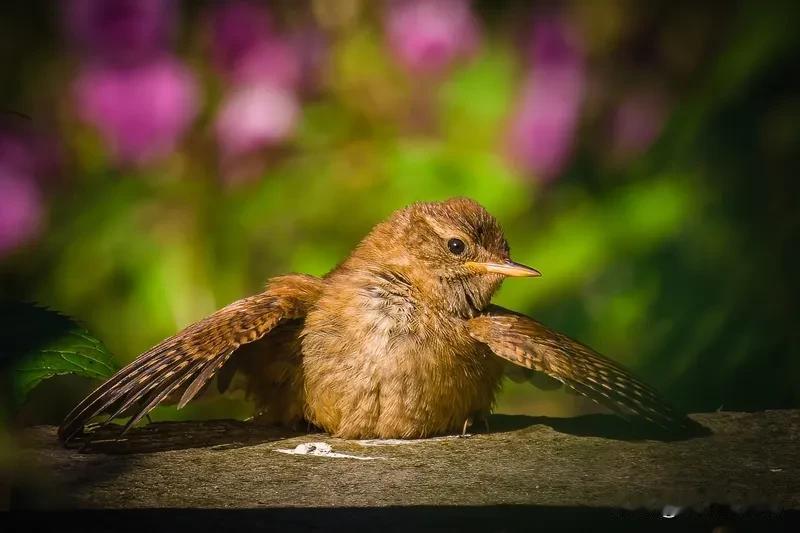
[386,365]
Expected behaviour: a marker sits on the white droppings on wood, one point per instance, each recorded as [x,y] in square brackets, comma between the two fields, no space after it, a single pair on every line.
[322,449]
[398,442]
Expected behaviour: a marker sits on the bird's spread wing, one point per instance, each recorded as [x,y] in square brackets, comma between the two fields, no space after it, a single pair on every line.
[184,363]
[527,343]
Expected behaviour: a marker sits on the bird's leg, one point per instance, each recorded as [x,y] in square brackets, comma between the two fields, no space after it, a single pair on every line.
[470,421]
[483,417]
[467,423]
[149,420]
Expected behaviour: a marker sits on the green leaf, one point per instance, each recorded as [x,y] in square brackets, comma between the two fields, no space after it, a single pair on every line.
[39,343]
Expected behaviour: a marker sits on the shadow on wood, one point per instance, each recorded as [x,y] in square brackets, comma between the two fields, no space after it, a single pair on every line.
[224,434]
[596,425]
[169,436]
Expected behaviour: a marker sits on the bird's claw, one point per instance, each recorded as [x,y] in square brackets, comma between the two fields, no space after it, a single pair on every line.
[467,423]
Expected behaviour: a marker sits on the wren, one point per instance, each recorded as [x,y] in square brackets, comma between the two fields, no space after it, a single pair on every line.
[398,341]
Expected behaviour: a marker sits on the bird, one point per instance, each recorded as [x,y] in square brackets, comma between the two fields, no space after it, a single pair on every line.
[400,340]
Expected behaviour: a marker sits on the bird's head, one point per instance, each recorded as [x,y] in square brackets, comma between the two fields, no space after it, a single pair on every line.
[454,251]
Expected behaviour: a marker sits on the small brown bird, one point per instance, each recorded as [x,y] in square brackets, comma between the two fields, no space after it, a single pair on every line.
[398,341]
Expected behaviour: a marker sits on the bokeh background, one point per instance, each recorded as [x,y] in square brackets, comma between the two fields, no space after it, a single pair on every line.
[160,159]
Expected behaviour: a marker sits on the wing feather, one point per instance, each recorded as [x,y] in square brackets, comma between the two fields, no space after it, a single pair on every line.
[191,358]
[529,344]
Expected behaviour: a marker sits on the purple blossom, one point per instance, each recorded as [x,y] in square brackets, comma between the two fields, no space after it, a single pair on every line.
[236,27]
[27,152]
[17,152]
[25,157]
[21,209]
[271,61]
[120,31]
[637,122]
[543,130]
[142,111]
[255,117]
[246,48]
[311,46]
[427,36]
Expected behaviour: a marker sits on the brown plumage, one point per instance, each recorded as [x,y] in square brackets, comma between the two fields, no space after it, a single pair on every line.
[399,340]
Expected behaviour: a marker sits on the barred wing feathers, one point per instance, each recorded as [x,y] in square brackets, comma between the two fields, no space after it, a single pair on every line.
[188,360]
[529,344]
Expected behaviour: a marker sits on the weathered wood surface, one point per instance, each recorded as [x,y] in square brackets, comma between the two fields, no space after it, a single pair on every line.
[599,461]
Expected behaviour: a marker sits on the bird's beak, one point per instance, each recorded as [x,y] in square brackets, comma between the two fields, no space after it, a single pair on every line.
[506,268]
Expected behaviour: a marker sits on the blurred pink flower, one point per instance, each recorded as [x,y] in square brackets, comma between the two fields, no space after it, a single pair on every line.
[21,208]
[120,30]
[141,111]
[25,158]
[17,152]
[246,48]
[27,152]
[254,117]
[311,46]
[271,61]
[637,122]
[543,129]
[427,36]
[237,26]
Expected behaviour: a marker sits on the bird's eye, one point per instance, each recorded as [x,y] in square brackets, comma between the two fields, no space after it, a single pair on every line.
[456,246]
